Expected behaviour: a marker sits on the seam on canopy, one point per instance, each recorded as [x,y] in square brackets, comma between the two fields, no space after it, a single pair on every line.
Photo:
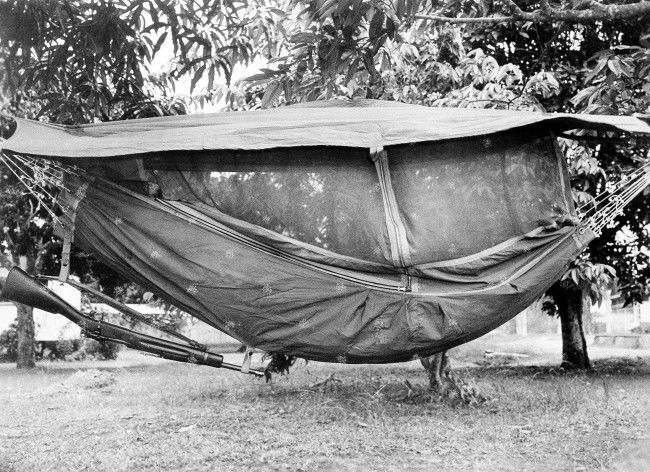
[398,287]
[399,245]
[142,173]
[345,274]
[579,244]
[559,156]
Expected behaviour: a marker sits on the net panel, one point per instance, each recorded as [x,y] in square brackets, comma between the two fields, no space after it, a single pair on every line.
[458,198]
[327,197]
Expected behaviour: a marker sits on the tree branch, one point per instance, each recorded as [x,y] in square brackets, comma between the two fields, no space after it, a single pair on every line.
[594,11]
[485,19]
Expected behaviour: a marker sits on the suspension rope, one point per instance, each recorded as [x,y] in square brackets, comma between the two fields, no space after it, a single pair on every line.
[53,176]
[36,183]
[42,179]
[621,198]
[605,207]
[617,203]
[625,179]
[31,190]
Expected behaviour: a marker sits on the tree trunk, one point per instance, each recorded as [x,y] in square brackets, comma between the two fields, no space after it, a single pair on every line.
[570,302]
[25,337]
[26,358]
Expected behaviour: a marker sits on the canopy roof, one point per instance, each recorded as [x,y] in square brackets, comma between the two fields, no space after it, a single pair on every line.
[359,124]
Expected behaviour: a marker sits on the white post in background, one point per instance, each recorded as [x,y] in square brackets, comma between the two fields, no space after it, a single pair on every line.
[636,315]
[521,323]
[53,327]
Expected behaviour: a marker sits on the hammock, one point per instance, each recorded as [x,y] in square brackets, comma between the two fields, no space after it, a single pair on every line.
[359,232]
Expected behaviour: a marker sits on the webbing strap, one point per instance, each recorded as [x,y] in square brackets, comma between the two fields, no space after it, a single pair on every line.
[69,208]
[64,273]
[246,364]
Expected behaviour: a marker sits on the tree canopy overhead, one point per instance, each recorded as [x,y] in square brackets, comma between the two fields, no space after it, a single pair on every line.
[86,60]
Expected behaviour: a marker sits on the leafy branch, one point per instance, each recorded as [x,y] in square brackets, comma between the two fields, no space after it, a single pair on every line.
[588,11]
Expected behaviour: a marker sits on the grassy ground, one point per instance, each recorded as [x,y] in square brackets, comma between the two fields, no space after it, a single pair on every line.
[166,416]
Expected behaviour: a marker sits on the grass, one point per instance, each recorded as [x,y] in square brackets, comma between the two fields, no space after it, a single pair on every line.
[168,416]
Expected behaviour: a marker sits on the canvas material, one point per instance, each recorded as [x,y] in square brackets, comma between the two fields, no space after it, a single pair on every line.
[359,123]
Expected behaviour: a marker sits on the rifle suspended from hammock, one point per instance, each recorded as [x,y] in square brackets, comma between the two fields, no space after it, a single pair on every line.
[20,287]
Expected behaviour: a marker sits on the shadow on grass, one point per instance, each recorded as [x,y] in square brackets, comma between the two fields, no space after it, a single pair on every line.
[492,383]
[621,366]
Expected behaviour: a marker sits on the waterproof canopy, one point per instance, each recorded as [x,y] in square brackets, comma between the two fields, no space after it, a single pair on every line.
[357,231]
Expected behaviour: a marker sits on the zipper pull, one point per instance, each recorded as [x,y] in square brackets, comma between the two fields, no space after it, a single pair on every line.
[406,284]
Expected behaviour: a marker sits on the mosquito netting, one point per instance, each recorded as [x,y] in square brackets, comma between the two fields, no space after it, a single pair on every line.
[450,199]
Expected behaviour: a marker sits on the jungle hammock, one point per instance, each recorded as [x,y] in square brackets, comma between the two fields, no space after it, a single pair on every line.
[345,231]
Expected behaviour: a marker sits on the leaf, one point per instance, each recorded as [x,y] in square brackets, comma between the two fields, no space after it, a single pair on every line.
[159,43]
[271,94]
[376,25]
[211,76]
[184,429]
[400,8]
[391,27]
[600,66]
[583,95]
[614,65]
[197,77]
[303,37]
[257,79]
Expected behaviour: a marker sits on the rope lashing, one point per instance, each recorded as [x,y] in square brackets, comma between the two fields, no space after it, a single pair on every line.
[42,179]
[606,206]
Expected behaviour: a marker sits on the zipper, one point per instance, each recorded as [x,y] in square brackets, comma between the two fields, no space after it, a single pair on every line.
[396,231]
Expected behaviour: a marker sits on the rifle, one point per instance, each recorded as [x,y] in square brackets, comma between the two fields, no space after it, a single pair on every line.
[20,287]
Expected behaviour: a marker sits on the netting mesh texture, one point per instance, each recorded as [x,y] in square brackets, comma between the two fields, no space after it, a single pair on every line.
[457,198]
[325,197]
